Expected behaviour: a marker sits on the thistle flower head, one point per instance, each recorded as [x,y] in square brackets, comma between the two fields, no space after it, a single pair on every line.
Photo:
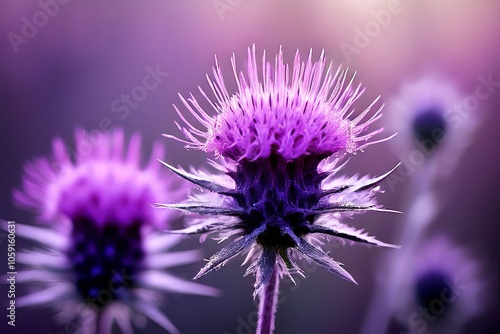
[288,112]
[280,138]
[103,249]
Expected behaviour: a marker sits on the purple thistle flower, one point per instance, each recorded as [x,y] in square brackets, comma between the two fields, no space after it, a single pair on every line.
[280,138]
[104,254]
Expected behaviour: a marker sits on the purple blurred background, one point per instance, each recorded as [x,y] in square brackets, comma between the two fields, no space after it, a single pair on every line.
[70,68]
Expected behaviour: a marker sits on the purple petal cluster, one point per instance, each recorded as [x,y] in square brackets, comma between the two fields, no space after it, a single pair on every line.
[290,112]
[103,182]
[105,246]
[281,137]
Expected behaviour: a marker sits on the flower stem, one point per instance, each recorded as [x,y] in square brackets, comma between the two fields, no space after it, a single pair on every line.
[98,322]
[268,304]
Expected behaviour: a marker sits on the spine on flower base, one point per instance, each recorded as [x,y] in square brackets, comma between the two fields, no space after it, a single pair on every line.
[268,304]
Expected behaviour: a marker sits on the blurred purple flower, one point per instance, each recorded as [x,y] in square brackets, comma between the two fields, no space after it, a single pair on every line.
[281,138]
[429,115]
[103,255]
[442,288]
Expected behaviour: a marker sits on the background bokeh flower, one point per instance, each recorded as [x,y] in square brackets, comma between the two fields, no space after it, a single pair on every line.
[89,54]
[101,251]
[433,120]
[442,289]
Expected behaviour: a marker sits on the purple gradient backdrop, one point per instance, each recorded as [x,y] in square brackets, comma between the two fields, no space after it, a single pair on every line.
[88,54]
